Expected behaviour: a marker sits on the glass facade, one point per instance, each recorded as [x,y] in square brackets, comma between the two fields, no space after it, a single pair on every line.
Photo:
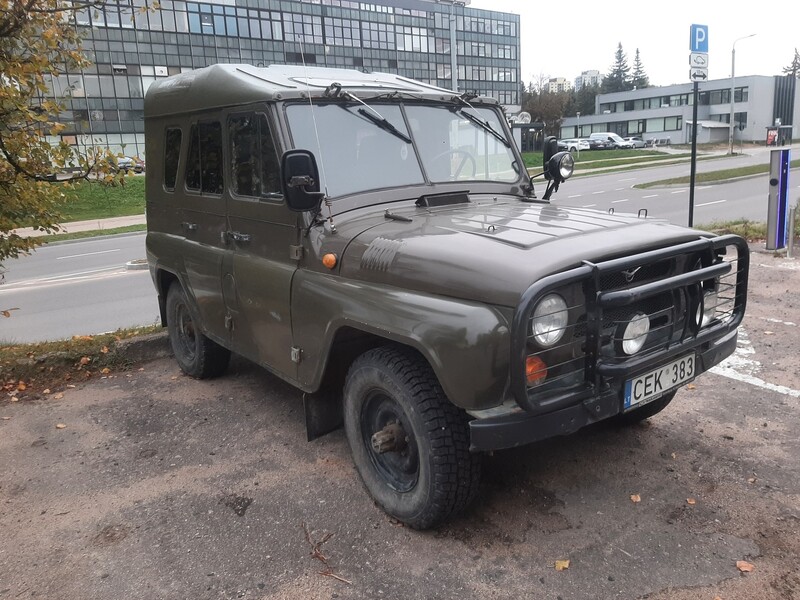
[131,44]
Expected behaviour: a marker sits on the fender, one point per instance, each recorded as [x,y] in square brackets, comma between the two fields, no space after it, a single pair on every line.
[466,343]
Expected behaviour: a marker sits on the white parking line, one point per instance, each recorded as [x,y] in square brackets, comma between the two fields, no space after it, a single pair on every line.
[599,192]
[575,196]
[619,189]
[618,201]
[678,192]
[588,205]
[650,196]
[710,203]
[628,179]
[88,254]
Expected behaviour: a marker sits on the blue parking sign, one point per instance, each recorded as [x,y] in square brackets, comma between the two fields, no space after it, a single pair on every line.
[698,41]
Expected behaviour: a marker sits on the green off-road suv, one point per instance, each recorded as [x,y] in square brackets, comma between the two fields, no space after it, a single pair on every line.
[377,242]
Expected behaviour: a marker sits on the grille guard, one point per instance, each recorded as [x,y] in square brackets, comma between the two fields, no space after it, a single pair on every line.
[596,367]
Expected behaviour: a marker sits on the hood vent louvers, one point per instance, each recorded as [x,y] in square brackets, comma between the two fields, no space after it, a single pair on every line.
[432,200]
[380,254]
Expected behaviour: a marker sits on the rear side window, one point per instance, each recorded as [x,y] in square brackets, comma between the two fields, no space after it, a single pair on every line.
[172,152]
[254,163]
[204,164]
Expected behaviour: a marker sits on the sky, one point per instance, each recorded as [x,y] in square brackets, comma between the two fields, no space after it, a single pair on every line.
[561,39]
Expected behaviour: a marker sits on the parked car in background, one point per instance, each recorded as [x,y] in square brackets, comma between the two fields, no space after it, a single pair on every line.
[597,144]
[130,164]
[573,145]
[636,141]
[611,139]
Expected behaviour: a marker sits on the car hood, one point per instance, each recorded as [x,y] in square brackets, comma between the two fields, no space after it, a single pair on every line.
[491,249]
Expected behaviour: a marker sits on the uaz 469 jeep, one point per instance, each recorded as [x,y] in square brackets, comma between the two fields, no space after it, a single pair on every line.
[377,242]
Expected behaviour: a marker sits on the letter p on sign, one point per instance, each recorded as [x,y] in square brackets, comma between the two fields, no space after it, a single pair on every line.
[698,41]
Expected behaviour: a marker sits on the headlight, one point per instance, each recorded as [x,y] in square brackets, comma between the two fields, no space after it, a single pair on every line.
[566,166]
[709,307]
[635,333]
[549,320]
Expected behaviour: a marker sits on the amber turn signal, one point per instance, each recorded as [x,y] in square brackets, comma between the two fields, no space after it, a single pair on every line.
[535,370]
[329,260]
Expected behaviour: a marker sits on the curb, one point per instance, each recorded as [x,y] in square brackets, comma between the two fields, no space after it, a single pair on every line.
[145,347]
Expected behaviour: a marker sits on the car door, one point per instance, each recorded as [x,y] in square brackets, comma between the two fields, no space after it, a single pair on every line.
[204,225]
[262,236]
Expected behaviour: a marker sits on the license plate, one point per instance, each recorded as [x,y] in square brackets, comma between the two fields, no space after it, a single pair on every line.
[656,383]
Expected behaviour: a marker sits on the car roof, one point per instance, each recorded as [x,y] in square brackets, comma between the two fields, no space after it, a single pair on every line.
[229,85]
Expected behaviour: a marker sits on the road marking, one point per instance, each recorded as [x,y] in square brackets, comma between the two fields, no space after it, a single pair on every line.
[741,368]
[588,205]
[619,189]
[710,203]
[600,192]
[678,192]
[88,254]
[61,278]
[650,196]
[628,179]
[575,196]
[618,201]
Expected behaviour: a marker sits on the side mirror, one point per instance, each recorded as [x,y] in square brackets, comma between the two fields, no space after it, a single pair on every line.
[300,180]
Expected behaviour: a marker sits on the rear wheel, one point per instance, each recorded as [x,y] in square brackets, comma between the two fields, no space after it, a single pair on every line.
[197,355]
[410,444]
[645,412]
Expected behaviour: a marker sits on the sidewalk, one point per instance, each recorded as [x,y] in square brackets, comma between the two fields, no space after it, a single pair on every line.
[92,225]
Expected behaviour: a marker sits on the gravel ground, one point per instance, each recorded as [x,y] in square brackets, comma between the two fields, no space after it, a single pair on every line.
[159,486]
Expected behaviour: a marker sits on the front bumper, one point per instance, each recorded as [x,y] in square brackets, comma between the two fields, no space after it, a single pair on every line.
[518,429]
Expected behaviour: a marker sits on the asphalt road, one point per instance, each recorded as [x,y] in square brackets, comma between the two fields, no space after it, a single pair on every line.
[77,288]
[161,486]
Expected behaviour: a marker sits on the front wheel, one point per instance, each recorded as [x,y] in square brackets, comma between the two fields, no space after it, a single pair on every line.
[410,445]
[197,355]
[645,412]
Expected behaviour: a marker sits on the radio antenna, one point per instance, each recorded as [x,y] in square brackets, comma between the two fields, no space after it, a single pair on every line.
[326,198]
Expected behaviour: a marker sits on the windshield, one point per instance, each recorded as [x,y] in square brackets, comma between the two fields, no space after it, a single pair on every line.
[357,153]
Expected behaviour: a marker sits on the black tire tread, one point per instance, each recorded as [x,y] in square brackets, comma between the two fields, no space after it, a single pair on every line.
[456,470]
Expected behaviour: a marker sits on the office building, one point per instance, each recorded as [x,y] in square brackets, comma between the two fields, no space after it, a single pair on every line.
[588,78]
[761,103]
[132,44]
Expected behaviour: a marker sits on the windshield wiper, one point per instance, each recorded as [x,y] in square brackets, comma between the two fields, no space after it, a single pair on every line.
[381,122]
[482,123]
[485,125]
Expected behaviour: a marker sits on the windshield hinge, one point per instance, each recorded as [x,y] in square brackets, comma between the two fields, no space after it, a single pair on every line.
[296,252]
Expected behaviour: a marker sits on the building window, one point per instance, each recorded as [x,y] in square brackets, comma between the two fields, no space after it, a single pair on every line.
[377,35]
[302,28]
[253,160]
[204,164]
[342,32]
[412,39]
[172,152]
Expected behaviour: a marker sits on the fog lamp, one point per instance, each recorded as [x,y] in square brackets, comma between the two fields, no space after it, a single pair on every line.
[635,334]
[709,307]
[535,370]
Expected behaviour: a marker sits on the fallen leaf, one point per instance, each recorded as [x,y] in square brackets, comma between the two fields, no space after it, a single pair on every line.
[562,565]
[744,566]
[70,386]
[14,399]
[674,456]
[22,387]
[174,377]
[61,426]
[105,371]
[6,418]
[46,391]
[636,498]
[717,598]
[141,368]
[58,396]
[769,333]
[104,349]
[85,360]
[691,386]
[752,480]
[691,501]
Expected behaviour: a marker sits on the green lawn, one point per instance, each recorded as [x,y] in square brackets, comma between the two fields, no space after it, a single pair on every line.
[595,159]
[94,200]
[712,176]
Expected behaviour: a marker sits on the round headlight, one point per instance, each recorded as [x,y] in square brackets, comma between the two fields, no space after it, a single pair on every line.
[565,166]
[549,320]
[709,307]
[635,334]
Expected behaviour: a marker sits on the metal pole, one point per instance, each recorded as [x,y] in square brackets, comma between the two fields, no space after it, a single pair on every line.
[579,134]
[790,226]
[694,157]
[453,57]
[733,90]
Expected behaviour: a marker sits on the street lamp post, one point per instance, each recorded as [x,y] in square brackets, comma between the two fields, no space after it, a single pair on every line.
[579,133]
[733,89]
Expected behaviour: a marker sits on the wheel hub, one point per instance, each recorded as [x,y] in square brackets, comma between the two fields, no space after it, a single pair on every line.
[392,438]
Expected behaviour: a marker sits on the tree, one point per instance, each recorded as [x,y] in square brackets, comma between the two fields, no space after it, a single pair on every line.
[794,67]
[639,78]
[38,41]
[546,106]
[617,79]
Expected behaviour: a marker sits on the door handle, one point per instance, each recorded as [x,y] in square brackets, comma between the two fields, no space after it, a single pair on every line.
[189,226]
[238,237]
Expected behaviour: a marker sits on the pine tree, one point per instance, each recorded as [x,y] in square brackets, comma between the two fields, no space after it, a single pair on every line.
[617,79]
[639,79]
[794,67]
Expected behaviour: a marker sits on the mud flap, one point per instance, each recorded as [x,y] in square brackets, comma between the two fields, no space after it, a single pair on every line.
[323,414]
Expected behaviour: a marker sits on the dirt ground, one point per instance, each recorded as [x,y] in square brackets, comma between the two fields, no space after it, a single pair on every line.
[159,486]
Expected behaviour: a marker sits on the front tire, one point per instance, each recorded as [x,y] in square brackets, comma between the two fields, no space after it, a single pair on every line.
[645,412]
[410,444]
[197,355]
